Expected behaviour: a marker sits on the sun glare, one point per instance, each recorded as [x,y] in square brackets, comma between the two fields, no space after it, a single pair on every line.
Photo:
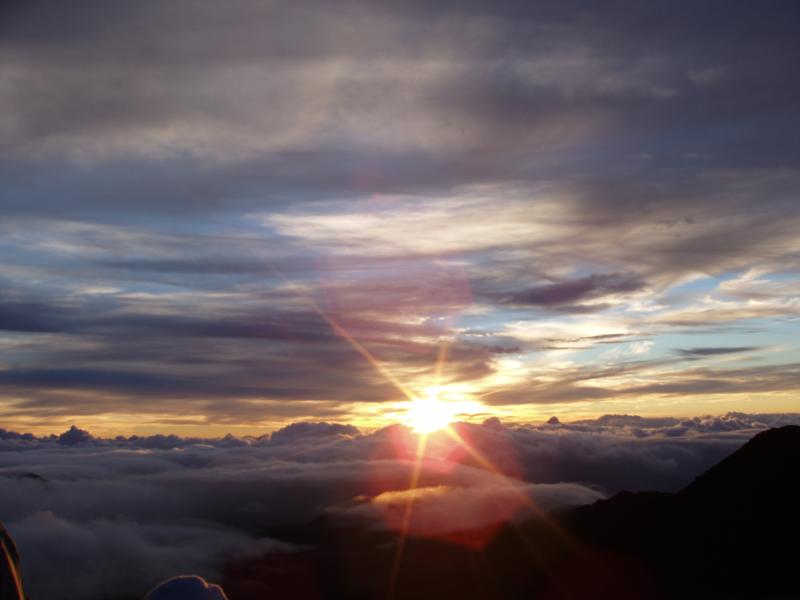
[426,415]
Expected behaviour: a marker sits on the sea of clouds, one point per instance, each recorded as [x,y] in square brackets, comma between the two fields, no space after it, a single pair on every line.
[96,516]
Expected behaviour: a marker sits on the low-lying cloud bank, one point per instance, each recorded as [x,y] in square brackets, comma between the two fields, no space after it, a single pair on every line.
[95,516]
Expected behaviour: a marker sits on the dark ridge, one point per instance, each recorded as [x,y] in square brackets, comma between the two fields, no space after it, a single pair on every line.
[733,532]
[763,464]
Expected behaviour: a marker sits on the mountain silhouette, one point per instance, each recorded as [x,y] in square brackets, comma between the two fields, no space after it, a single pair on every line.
[734,532]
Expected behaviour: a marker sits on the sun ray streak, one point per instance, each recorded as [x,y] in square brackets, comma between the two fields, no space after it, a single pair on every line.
[441,359]
[341,331]
[422,442]
[366,354]
[527,501]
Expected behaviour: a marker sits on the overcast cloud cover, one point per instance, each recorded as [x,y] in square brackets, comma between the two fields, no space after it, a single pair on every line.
[95,516]
[595,207]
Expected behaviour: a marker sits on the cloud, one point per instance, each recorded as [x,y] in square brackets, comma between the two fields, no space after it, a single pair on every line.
[107,558]
[577,290]
[145,512]
[507,177]
[74,436]
[619,379]
[701,352]
[477,509]
[297,431]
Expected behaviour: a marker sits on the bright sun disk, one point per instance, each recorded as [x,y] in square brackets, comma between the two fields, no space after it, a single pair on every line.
[426,415]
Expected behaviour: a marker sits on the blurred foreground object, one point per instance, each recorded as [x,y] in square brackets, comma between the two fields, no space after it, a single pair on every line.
[10,579]
[186,587]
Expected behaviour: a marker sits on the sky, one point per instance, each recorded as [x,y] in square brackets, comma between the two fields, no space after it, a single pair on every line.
[228,217]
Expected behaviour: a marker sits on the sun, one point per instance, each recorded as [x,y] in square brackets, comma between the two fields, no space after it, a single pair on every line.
[426,415]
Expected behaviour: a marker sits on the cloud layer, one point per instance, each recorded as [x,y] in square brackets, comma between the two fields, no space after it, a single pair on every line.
[94,516]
